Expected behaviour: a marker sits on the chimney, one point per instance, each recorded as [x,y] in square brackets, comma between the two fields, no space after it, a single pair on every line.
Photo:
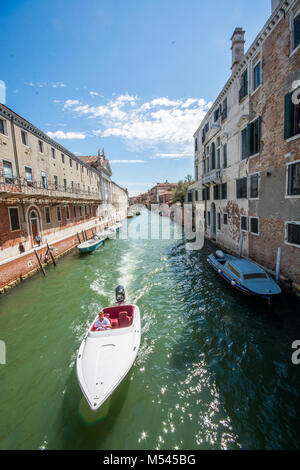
[275,4]
[237,47]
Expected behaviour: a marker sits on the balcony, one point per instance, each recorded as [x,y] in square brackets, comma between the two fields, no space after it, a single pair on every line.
[214,176]
[20,188]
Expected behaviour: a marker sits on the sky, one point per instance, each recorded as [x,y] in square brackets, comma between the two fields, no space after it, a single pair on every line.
[134,77]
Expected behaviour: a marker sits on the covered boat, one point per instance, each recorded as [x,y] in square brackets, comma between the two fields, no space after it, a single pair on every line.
[105,357]
[91,245]
[244,275]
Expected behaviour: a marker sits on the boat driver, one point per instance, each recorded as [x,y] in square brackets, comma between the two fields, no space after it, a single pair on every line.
[102,323]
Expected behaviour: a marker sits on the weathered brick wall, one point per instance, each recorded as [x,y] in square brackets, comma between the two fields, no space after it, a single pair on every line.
[273,208]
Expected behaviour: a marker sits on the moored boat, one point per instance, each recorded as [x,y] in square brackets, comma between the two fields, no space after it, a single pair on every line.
[244,275]
[91,245]
[130,215]
[105,357]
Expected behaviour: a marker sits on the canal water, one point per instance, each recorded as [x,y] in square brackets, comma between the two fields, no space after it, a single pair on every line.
[214,369]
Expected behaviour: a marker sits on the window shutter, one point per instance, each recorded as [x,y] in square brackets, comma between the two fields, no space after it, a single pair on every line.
[287,115]
[248,140]
[259,134]
[297,30]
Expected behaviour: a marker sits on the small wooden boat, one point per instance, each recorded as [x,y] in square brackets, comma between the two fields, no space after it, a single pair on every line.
[244,275]
[105,357]
[91,245]
[130,215]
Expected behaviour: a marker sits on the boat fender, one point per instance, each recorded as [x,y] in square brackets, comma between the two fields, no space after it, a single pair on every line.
[219,271]
[233,283]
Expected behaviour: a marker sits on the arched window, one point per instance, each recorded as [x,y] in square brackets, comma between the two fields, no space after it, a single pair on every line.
[33,215]
[213,156]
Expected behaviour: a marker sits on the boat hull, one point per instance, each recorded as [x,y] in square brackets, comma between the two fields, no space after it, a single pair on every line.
[238,286]
[90,249]
[104,359]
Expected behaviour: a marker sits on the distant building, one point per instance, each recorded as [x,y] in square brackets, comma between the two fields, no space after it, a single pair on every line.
[247,148]
[47,195]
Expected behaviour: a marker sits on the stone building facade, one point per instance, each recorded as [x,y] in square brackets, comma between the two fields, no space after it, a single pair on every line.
[48,197]
[247,148]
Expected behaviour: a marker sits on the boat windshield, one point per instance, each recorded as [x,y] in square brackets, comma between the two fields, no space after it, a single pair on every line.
[255,276]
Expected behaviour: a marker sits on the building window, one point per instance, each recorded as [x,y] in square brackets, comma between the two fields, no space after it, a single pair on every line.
[254,225]
[190,196]
[28,176]
[65,184]
[251,139]
[225,156]
[77,166]
[293,188]
[244,85]
[55,182]
[75,211]
[67,212]
[24,138]
[291,115]
[70,160]
[244,224]
[254,186]
[72,186]
[58,212]
[62,158]
[216,114]
[225,219]
[224,110]
[44,180]
[47,215]
[196,144]
[219,221]
[85,210]
[8,172]
[205,194]
[213,156]
[14,218]
[293,233]
[224,191]
[3,127]
[53,153]
[241,188]
[296,32]
[208,218]
[80,211]
[216,192]
[257,76]
[41,146]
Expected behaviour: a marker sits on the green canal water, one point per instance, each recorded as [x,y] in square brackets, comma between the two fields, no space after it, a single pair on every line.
[214,369]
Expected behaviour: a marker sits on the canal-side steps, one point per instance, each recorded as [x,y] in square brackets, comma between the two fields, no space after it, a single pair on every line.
[108,350]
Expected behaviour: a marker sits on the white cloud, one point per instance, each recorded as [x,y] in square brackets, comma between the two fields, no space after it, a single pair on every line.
[78,154]
[58,85]
[56,101]
[95,93]
[66,135]
[69,103]
[162,121]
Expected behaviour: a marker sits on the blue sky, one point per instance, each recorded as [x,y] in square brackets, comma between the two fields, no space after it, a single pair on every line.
[134,77]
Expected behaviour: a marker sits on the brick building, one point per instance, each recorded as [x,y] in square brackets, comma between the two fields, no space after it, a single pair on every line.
[247,148]
[47,196]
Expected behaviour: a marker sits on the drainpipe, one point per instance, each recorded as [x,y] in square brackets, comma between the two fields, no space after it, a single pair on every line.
[278,263]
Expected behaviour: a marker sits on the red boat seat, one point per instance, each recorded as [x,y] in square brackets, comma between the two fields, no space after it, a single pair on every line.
[114,323]
[124,319]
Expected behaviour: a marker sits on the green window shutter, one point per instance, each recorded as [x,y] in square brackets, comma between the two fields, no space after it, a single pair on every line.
[259,133]
[248,140]
[287,115]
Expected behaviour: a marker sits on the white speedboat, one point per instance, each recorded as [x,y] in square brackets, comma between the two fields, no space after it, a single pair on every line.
[105,357]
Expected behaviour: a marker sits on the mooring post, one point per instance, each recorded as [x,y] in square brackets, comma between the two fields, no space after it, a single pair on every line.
[78,237]
[41,266]
[83,236]
[52,257]
[278,263]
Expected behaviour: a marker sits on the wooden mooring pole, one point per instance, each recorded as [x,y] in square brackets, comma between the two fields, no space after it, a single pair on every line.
[52,257]
[78,237]
[278,263]
[41,266]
